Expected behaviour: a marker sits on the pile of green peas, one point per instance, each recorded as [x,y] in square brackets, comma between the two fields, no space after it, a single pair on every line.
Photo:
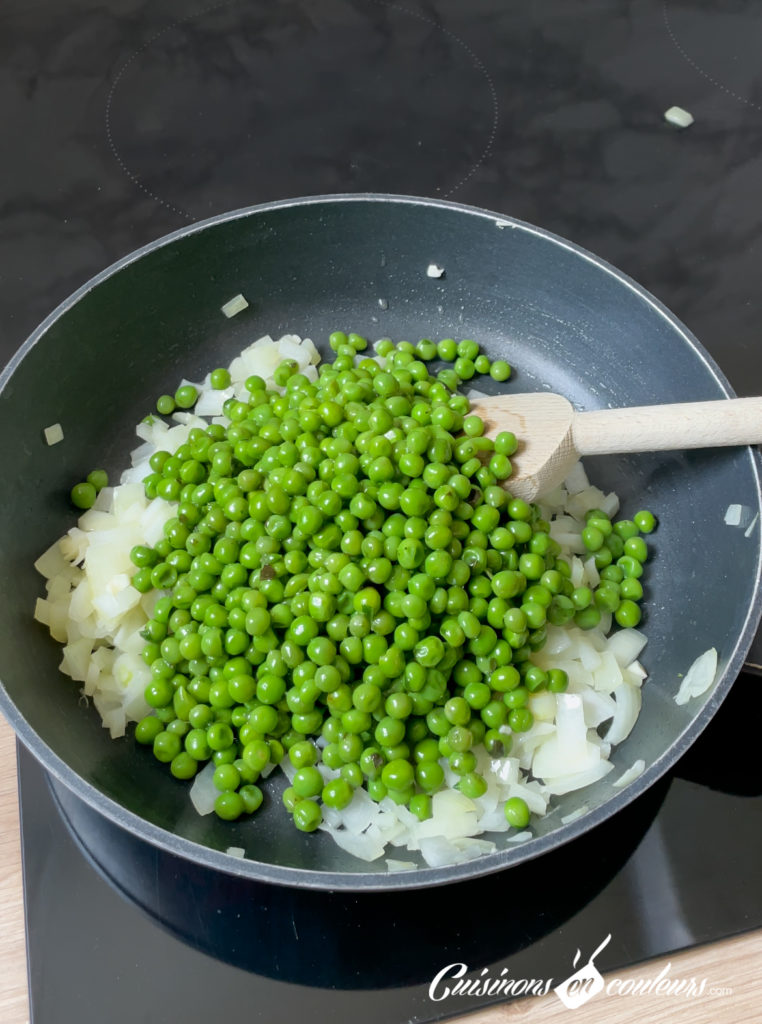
[346,565]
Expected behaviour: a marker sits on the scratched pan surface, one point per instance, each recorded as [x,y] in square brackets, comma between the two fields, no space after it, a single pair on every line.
[566,320]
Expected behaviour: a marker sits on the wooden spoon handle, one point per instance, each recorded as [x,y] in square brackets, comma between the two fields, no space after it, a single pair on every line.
[651,428]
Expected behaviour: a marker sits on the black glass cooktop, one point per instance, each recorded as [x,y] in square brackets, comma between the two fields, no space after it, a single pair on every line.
[125,120]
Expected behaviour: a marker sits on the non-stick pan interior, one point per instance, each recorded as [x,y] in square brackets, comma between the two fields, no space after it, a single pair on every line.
[564,320]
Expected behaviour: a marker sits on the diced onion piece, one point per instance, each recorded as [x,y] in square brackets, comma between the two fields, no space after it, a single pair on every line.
[494,821]
[610,504]
[52,562]
[42,611]
[434,270]
[584,501]
[568,751]
[331,817]
[453,815]
[76,657]
[400,812]
[439,851]
[576,480]
[567,819]
[699,677]
[235,305]
[592,576]
[505,770]
[678,117]
[533,795]
[628,700]
[473,847]
[599,707]
[203,792]
[359,812]
[395,833]
[58,614]
[53,434]
[626,645]
[92,678]
[608,675]
[578,780]
[236,851]
[314,355]
[291,347]
[400,865]
[630,775]
[542,706]
[116,722]
[367,846]
[733,515]
[520,837]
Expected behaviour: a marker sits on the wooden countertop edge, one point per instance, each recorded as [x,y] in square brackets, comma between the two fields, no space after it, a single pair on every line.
[730,967]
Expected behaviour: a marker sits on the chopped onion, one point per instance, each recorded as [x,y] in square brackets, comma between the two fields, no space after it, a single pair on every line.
[203,792]
[568,752]
[211,402]
[440,852]
[578,812]
[628,701]
[360,811]
[367,846]
[93,609]
[53,434]
[520,837]
[235,305]
[630,775]
[236,851]
[577,480]
[626,645]
[51,562]
[699,677]
[42,611]
[474,847]
[434,270]
[733,515]
[400,865]
[578,780]
[679,117]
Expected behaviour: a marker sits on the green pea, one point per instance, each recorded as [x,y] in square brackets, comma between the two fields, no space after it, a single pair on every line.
[229,806]
[516,812]
[645,521]
[83,495]
[500,370]
[98,478]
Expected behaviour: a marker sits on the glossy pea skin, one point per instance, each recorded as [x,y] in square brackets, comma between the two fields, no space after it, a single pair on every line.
[516,812]
[307,815]
[83,495]
[645,521]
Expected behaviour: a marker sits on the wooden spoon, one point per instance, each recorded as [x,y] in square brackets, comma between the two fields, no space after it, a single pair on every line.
[552,435]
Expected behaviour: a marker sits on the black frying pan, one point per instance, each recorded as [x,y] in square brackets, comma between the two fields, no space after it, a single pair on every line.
[566,321]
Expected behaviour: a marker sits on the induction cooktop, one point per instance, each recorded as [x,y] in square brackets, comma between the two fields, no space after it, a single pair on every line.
[123,121]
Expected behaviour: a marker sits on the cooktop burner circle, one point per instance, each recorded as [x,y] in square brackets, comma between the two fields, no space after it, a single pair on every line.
[722,46]
[244,103]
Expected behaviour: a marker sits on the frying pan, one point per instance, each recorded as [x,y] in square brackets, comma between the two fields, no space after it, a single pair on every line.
[565,319]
